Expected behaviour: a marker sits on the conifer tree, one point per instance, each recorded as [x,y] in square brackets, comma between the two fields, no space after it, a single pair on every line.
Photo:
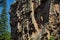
[4,34]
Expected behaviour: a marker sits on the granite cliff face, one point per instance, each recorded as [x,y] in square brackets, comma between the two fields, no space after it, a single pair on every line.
[35,19]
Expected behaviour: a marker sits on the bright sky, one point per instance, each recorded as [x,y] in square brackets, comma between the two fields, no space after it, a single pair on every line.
[9,2]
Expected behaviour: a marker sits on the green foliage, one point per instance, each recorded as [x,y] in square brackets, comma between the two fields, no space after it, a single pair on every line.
[59,38]
[52,38]
[4,34]
[3,19]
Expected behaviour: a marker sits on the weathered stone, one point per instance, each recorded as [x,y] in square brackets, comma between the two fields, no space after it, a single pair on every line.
[35,19]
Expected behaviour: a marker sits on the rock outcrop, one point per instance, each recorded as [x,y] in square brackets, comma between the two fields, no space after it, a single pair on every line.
[35,19]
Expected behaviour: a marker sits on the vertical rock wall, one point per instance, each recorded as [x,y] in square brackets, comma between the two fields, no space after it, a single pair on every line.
[35,19]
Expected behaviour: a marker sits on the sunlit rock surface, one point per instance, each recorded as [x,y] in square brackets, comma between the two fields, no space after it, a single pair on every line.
[35,19]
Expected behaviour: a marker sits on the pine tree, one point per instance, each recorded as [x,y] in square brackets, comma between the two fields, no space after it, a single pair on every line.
[4,34]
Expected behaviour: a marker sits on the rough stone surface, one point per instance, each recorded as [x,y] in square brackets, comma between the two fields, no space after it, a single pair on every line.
[35,19]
